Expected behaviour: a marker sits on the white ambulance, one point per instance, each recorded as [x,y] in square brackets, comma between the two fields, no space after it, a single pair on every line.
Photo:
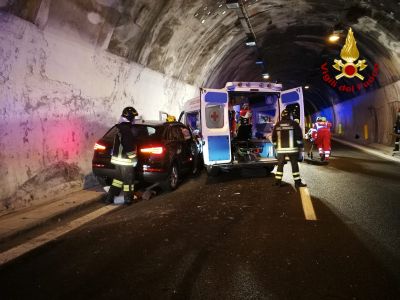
[235,123]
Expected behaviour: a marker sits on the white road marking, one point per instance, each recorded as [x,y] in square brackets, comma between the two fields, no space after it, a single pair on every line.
[308,208]
[36,242]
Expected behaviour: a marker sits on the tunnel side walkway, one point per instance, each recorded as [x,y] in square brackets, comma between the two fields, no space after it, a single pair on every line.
[16,223]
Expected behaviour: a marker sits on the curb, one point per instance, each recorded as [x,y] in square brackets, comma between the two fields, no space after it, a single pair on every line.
[367,150]
[41,222]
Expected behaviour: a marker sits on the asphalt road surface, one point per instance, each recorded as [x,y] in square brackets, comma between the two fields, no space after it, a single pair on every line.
[234,236]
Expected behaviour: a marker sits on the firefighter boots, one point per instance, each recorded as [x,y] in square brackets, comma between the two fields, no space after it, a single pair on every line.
[298,184]
[114,191]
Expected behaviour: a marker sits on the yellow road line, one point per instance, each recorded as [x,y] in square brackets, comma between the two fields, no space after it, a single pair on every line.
[308,208]
[36,242]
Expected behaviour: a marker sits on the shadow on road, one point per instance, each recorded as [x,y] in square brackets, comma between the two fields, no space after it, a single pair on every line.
[237,238]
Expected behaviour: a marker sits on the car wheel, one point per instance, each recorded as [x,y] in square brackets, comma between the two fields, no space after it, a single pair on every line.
[171,183]
[212,171]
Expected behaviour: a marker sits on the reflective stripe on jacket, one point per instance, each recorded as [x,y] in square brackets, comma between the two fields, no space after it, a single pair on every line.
[287,137]
[124,149]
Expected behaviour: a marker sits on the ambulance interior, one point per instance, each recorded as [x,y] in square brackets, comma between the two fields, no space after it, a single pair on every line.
[261,112]
[252,116]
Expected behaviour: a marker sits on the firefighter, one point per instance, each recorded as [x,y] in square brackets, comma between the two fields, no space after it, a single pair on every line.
[288,142]
[323,137]
[124,158]
[396,130]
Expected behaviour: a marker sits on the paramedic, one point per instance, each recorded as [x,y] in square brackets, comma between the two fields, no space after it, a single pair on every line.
[288,142]
[396,130]
[124,158]
[323,138]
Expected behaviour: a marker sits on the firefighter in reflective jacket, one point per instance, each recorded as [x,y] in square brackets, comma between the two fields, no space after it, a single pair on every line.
[288,142]
[124,158]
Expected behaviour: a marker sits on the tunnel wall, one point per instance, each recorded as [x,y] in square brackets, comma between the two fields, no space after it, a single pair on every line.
[57,97]
[368,118]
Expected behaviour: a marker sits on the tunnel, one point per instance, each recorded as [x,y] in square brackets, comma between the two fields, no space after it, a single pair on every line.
[68,67]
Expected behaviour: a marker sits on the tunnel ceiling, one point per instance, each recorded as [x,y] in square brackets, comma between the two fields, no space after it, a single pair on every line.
[202,42]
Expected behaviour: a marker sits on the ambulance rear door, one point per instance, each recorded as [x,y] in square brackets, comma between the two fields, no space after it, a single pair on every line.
[215,126]
[293,100]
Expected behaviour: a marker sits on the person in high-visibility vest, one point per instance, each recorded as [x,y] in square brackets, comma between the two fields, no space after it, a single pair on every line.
[124,158]
[288,142]
[323,138]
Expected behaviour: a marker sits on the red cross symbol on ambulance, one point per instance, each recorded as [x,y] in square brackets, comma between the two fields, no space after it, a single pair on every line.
[214,116]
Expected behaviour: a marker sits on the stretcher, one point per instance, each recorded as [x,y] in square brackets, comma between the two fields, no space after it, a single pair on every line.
[309,146]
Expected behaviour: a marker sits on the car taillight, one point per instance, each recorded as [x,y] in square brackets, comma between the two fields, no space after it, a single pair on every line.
[99,147]
[152,150]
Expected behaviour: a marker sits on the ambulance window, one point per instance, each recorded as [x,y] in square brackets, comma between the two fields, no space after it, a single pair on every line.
[214,116]
[193,120]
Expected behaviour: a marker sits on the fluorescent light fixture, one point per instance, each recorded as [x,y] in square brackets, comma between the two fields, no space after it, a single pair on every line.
[335,36]
[259,61]
[250,42]
[232,4]
[265,75]
[306,87]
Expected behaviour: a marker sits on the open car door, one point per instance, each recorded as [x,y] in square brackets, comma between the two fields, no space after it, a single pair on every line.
[293,100]
[215,126]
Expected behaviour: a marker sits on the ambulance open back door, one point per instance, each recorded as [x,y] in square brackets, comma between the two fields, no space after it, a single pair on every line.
[215,126]
[293,100]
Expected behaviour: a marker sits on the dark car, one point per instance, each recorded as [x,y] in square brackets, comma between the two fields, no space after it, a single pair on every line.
[166,152]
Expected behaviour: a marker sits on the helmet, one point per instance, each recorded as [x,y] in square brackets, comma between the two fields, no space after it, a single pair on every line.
[323,119]
[129,113]
[171,118]
[318,119]
[285,114]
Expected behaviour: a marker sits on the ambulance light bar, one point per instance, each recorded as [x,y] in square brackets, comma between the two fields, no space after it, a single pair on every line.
[231,86]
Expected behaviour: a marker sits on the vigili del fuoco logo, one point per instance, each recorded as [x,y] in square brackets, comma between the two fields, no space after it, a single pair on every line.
[349,66]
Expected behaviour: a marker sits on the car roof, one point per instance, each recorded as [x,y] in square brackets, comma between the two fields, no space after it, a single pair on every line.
[157,123]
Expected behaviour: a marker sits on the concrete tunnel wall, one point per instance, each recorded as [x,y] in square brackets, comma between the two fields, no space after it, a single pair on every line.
[59,95]
[366,119]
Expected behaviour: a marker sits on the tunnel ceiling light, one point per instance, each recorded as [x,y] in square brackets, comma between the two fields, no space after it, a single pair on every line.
[265,75]
[259,61]
[232,4]
[251,42]
[306,87]
[337,31]
[334,37]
